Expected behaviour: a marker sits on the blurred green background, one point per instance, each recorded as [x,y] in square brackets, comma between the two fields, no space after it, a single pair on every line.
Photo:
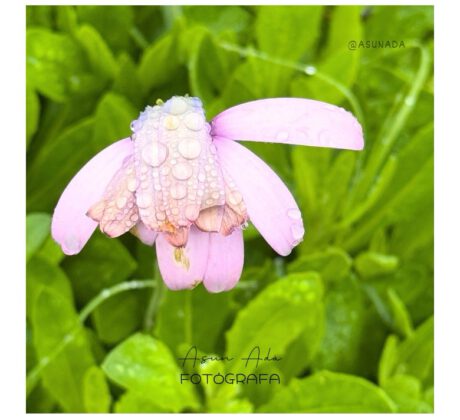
[350,311]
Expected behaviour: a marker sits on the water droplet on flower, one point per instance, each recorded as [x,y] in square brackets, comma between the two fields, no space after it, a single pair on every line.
[177,106]
[235,198]
[155,153]
[201,177]
[194,121]
[297,232]
[121,202]
[294,214]
[245,225]
[160,216]
[72,243]
[144,200]
[178,191]
[192,211]
[175,211]
[171,122]
[182,171]
[136,125]
[189,148]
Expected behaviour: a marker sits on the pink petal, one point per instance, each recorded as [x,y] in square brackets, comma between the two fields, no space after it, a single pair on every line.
[183,268]
[225,261]
[292,121]
[270,205]
[146,235]
[71,228]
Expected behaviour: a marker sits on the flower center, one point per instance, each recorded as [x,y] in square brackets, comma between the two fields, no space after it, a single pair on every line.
[175,177]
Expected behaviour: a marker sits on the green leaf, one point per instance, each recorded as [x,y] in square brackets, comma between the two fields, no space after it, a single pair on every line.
[333,264]
[222,398]
[47,176]
[401,318]
[278,29]
[132,402]
[371,264]
[208,78]
[183,316]
[96,394]
[119,316]
[219,19]
[113,116]
[66,19]
[114,23]
[354,333]
[42,274]
[159,62]
[406,392]
[102,263]
[99,55]
[37,230]
[53,318]
[127,82]
[414,356]
[294,300]
[328,392]
[146,367]
[32,113]
[54,63]
[337,62]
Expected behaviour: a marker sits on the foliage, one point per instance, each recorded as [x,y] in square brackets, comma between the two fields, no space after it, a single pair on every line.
[350,311]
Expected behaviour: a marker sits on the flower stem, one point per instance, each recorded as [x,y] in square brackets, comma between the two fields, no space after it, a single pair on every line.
[34,375]
[154,301]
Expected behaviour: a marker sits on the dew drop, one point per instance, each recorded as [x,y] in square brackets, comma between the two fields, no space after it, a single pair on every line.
[72,244]
[121,202]
[235,198]
[177,106]
[160,215]
[245,225]
[178,191]
[155,153]
[310,70]
[136,125]
[189,148]
[409,101]
[144,200]
[182,171]
[201,177]
[194,121]
[171,122]
[297,232]
[192,211]
[294,214]
[175,211]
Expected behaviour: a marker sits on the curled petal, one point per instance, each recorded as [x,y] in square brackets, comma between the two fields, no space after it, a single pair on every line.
[225,261]
[183,267]
[71,227]
[146,235]
[269,203]
[292,121]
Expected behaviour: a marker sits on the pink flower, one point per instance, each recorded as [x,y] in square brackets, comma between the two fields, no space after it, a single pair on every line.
[189,187]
